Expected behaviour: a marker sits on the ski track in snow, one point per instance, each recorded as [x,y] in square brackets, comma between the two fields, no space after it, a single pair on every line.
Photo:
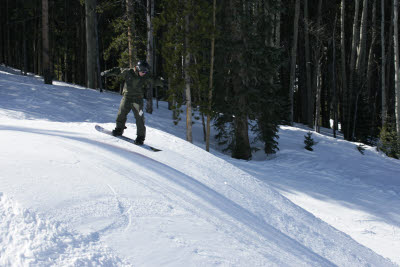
[178,207]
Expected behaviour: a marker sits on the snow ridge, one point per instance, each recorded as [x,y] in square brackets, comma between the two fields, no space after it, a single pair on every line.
[26,239]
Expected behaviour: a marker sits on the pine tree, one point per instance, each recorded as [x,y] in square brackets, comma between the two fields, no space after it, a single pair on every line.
[309,142]
[187,28]
[247,88]
[388,141]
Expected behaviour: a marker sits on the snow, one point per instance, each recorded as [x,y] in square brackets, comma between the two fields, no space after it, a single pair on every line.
[71,196]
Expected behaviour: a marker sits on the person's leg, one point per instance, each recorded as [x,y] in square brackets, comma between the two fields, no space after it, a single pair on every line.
[137,107]
[124,109]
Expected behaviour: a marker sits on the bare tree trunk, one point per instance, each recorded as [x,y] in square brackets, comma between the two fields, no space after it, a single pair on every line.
[310,98]
[8,47]
[90,12]
[362,47]
[35,45]
[396,64]
[371,62]
[45,43]
[317,72]
[390,56]
[334,100]
[100,84]
[131,32]
[317,126]
[211,82]
[278,27]
[129,17]
[383,65]
[293,59]
[2,60]
[241,148]
[355,41]
[3,34]
[24,48]
[343,62]
[150,14]
[40,50]
[187,82]
[66,42]
[360,64]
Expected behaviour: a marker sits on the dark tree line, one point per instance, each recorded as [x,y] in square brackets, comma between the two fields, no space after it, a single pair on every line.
[250,65]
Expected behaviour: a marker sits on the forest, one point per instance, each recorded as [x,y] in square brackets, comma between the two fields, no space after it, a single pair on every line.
[245,66]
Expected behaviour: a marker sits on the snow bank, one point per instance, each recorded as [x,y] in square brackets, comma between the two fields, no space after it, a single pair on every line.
[26,239]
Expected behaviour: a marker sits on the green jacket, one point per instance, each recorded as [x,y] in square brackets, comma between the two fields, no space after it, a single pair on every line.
[135,85]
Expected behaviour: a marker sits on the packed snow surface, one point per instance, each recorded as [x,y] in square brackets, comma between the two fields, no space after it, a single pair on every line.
[71,196]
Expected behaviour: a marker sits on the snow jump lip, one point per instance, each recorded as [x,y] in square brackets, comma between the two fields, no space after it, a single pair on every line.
[225,206]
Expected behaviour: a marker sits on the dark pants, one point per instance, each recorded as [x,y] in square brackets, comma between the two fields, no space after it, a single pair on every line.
[135,104]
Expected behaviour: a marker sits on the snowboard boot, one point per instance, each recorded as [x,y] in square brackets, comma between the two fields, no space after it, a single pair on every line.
[139,140]
[117,131]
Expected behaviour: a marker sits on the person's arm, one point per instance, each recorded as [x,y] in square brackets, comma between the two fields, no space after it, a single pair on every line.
[112,72]
[158,81]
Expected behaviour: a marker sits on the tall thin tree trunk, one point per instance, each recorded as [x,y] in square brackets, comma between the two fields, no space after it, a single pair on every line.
[278,26]
[396,64]
[131,32]
[90,11]
[45,43]
[310,98]
[383,67]
[187,81]
[2,60]
[317,125]
[354,45]
[40,50]
[211,82]
[8,47]
[390,56]
[293,59]
[66,43]
[150,13]
[24,48]
[241,148]
[334,91]
[83,48]
[370,65]
[99,82]
[362,47]
[360,65]
[343,63]
[35,44]
[317,72]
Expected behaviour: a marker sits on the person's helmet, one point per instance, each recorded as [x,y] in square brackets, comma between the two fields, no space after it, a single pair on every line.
[143,66]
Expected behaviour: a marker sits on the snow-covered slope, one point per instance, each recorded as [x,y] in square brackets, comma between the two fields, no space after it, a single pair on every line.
[73,196]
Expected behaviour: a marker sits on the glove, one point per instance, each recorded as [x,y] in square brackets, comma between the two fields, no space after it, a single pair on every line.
[102,73]
[161,78]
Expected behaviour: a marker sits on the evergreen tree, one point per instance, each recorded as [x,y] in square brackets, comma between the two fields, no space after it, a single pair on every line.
[187,29]
[246,77]
[388,141]
[309,141]
[342,71]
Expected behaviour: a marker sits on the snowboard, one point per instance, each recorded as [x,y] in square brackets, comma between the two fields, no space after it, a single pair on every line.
[127,139]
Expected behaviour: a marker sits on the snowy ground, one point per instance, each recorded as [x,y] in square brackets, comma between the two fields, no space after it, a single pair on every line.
[71,196]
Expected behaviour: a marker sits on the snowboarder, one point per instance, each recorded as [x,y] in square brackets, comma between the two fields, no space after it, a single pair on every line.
[136,80]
